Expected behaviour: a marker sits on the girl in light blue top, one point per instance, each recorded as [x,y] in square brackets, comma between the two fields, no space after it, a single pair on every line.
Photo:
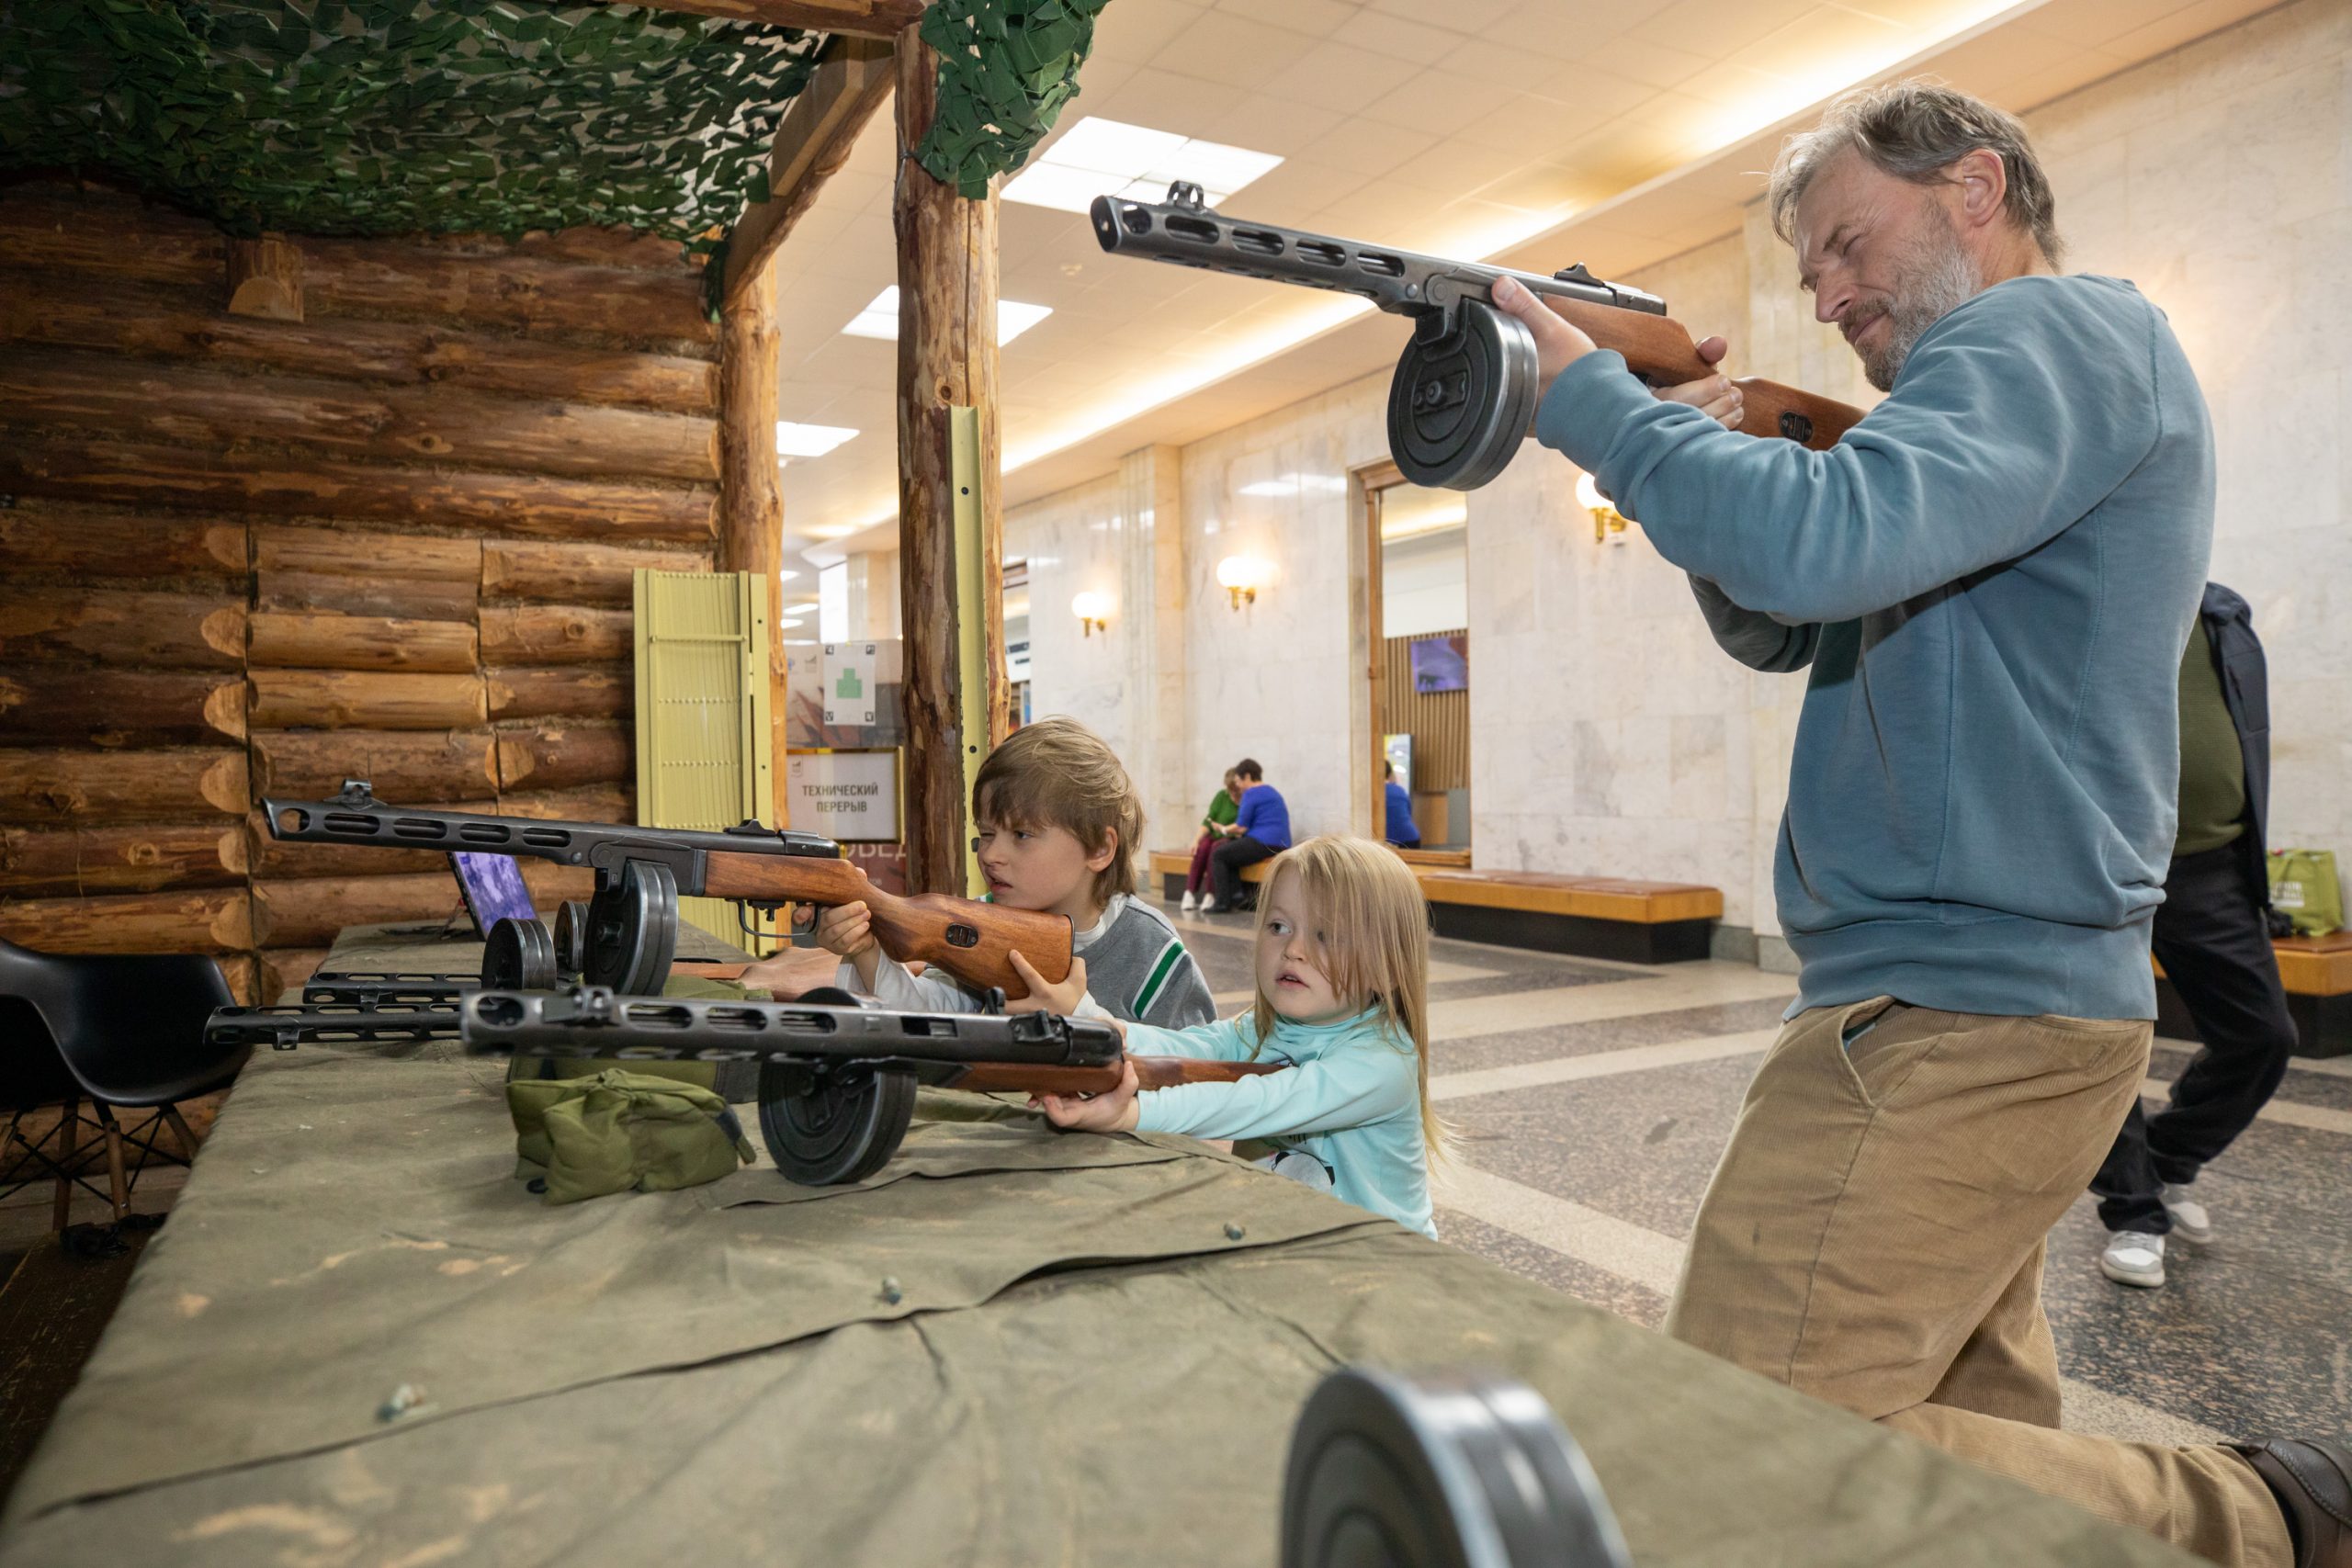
[1343,964]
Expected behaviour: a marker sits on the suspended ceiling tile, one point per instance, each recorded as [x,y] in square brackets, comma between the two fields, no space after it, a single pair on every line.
[1369,147]
[1269,123]
[1505,66]
[1563,29]
[1299,186]
[1650,63]
[1547,188]
[1385,33]
[1317,18]
[1457,16]
[1543,127]
[1137,29]
[1820,41]
[1342,76]
[1165,100]
[1727,25]
[1437,102]
[1465,168]
[1225,46]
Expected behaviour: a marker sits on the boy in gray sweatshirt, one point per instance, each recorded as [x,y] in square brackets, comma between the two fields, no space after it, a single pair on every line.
[1059,820]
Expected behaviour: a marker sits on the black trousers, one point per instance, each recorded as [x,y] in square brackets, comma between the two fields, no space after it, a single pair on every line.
[2210,939]
[1226,861]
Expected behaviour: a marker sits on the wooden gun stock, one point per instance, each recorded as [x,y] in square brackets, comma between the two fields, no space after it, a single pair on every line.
[1151,1072]
[972,941]
[1659,350]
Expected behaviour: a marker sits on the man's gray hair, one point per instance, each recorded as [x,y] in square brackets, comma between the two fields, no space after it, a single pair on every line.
[1915,130]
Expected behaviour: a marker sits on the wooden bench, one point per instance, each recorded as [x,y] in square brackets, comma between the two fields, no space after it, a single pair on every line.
[1593,917]
[2317,973]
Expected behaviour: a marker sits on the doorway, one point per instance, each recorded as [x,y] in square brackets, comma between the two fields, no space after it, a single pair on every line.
[1417,542]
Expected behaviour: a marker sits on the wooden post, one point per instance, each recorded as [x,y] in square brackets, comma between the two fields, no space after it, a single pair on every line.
[265,279]
[947,359]
[750,505]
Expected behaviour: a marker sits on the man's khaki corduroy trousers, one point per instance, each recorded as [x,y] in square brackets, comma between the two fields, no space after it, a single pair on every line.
[1873,1237]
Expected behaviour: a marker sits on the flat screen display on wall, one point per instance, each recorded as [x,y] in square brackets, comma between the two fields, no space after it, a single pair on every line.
[1442,664]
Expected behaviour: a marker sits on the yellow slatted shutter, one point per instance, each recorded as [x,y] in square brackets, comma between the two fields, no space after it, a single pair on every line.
[705,755]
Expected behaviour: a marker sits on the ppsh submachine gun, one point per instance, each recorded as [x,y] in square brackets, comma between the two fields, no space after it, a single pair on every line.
[625,936]
[837,1077]
[1466,390]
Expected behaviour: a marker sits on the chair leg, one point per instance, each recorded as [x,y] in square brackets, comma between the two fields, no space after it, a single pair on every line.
[179,1127]
[67,1130]
[114,1160]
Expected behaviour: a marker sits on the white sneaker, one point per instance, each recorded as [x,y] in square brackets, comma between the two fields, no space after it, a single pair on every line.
[1208,906]
[1191,902]
[2134,1257]
[2189,1220]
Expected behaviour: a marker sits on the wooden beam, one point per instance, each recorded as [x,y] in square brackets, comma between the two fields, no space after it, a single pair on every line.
[751,506]
[947,359]
[812,145]
[863,19]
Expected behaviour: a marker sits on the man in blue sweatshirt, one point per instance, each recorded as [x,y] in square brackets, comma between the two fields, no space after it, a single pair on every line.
[1991,579]
[1260,831]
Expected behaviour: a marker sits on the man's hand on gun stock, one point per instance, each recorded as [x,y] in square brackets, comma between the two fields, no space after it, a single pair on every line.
[1559,342]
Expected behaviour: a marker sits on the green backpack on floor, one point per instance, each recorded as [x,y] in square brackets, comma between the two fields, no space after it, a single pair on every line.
[585,1137]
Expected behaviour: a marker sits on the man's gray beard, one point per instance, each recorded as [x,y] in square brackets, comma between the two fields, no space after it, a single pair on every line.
[1941,277]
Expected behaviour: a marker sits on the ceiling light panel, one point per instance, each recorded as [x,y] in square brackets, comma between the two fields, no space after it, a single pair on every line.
[808,440]
[1107,157]
[880,319]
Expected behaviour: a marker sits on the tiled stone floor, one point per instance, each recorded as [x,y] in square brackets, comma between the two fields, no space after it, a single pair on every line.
[1588,1183]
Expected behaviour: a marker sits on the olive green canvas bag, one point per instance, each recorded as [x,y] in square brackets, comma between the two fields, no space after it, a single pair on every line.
[585,1137]
[2304,889]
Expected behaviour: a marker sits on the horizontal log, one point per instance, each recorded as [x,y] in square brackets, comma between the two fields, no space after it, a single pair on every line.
[558,756]
[360,552]
[870,19]
[165,323]
[312,764]
[78,862]
[40,536]
[398,598]
[542,292]
[313,911]
[60,230]
[551,885]
[148,401]
[365,699]
[58,787]
[172,631]
[37,463]
[320,641]
[284,970]
[119,708]
[275,858]
[204,920]
[565,691]
[589,803]
[575,574]
[554,634]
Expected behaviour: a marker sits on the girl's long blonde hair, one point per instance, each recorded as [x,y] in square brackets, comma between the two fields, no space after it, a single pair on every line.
[1375,926]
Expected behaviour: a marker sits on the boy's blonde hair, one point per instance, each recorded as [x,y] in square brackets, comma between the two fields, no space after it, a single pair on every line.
[1375,927]
[1058,773]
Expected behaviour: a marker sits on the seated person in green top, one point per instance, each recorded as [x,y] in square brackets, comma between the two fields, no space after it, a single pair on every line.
[1058,821]
[1342,967]
[1223,806]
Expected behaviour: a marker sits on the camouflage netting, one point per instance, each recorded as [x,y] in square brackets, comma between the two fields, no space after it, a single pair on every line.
[371,116]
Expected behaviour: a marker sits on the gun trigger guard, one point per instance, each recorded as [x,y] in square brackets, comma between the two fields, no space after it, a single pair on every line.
[992,1001]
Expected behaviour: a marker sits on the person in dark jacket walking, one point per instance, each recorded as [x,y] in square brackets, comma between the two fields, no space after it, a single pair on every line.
[2212,936]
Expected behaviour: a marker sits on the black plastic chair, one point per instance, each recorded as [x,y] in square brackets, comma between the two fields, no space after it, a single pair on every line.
[119,1031]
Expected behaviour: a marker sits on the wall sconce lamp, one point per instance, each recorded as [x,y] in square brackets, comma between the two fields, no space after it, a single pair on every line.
[1241,577]
[1606,518]
[1093,612]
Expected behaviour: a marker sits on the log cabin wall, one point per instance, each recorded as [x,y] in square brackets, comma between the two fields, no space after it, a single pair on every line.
[392,538]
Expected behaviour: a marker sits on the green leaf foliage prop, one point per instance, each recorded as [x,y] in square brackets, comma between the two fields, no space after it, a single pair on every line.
[1006,67]
[373,117]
